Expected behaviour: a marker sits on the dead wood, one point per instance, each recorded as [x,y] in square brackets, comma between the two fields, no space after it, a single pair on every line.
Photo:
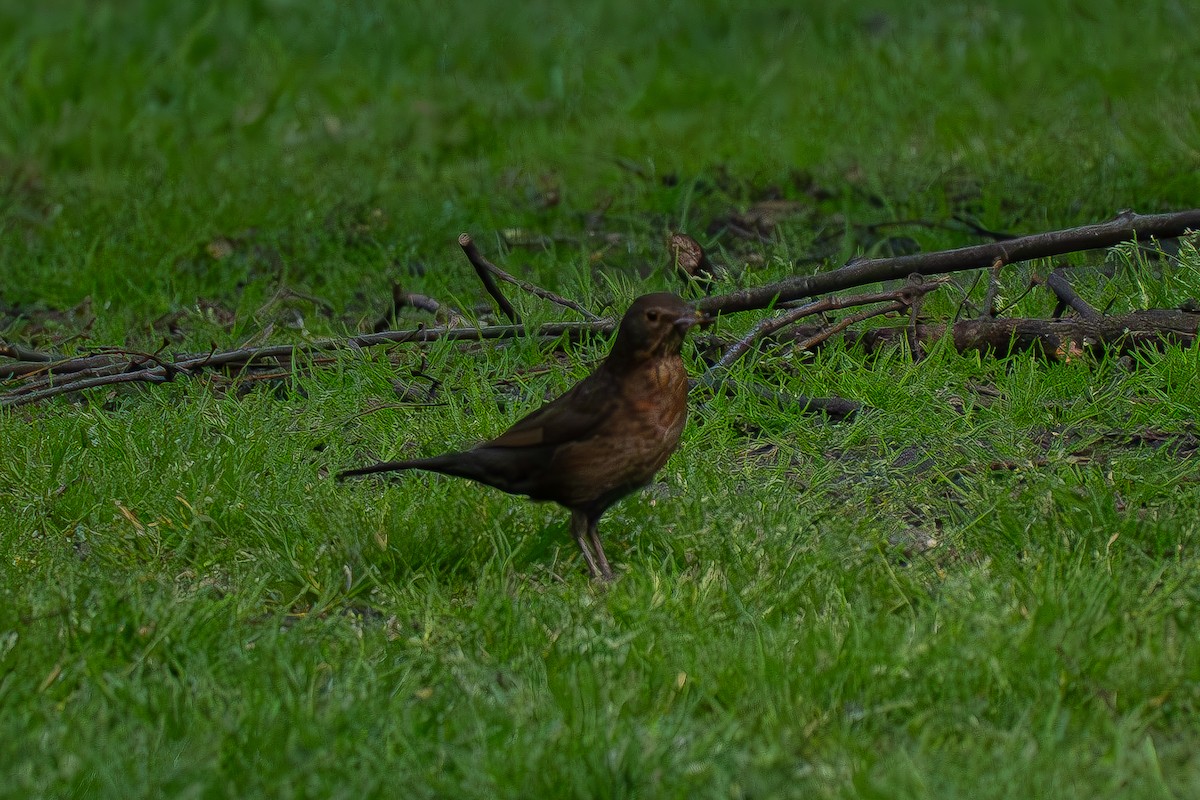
[39,376]
[1068,298]
[1125,227]
[486,270]
[20,353]
[57,378]
[890,302]
[1057,339]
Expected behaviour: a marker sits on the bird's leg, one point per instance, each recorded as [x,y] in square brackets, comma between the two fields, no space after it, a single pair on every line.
[597,548]
[579,529]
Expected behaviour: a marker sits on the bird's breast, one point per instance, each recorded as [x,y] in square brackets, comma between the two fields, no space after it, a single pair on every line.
[658,398]
[635,441]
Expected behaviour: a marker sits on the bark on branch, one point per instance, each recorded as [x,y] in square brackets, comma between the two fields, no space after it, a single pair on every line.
[1125,227]
[44,380]
[1057,339]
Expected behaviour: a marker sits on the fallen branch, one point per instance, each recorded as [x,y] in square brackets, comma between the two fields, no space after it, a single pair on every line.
[716,377]
[897,299]
[485,269]
[1068,298]
[20,353]
[125,370]
[42,376]
[1057,339]
[484,266]
[1124,227]
[827,333]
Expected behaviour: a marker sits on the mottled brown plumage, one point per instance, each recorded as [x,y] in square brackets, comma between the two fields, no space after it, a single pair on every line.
[604,438]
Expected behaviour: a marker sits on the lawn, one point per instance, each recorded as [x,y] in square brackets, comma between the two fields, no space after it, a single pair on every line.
[985,585]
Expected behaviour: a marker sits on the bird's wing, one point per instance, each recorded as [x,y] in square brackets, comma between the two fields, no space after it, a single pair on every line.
[573,416]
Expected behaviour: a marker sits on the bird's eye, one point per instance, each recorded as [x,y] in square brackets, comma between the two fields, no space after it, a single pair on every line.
[652,315]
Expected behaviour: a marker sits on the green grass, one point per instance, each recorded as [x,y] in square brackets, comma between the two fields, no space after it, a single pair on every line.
[979,588]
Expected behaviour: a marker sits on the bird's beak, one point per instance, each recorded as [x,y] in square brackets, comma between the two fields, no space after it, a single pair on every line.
[689,321]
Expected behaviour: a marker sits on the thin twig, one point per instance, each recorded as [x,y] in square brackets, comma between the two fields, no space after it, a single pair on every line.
[903,296]
[1014,301]
[44,378]
[479,262]
[717,376]
[1057,283]
[144,376]
[485,269]
[273,357]
[764,328]
[19,353]
[846,322]
[93,367]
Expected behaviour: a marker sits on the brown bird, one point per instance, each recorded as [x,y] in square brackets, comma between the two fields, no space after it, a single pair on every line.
[603,439]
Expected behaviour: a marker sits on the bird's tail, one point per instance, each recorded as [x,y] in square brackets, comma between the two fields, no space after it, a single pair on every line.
[460,465]
[382,466]
[515,471]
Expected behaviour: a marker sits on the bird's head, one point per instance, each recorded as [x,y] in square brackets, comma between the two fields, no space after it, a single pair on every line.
[654,326]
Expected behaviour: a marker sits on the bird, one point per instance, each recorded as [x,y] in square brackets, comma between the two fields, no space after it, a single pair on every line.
[602,439]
